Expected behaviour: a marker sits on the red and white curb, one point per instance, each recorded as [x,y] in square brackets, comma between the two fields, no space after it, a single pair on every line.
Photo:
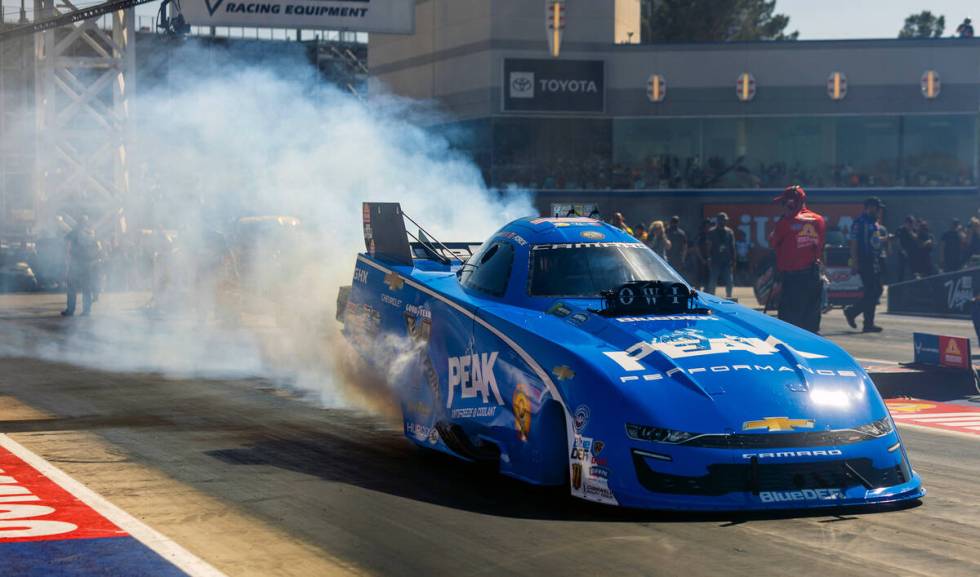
[938,416]
[45,474]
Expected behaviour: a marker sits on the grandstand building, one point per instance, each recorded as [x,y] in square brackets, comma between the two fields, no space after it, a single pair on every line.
[652,129]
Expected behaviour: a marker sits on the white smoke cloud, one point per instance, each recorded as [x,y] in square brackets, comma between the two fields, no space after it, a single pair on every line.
[211,148]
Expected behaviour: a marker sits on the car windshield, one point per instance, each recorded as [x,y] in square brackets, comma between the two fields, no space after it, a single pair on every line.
[584,270]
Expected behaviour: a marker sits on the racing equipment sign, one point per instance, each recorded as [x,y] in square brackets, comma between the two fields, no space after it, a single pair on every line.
[554,85]
[385,16]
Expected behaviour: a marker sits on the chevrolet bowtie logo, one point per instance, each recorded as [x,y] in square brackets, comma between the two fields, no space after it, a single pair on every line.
[563,373]
[778,424]
[394,281]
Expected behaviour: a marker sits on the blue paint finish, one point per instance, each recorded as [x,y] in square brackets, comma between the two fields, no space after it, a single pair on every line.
[110,557]
[511,371]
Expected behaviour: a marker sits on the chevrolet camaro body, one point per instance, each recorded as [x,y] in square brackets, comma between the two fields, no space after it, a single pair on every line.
[515,356]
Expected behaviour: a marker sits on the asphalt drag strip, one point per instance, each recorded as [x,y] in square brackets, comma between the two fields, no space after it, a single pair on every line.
[255,482]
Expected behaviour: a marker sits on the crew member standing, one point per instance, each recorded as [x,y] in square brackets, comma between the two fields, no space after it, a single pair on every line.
[82,267]
[865,248]
[798,240]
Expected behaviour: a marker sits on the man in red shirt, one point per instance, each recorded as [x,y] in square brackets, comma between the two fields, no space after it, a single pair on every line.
[798,240]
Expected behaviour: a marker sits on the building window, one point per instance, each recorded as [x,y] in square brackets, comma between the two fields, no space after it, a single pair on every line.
[938,150]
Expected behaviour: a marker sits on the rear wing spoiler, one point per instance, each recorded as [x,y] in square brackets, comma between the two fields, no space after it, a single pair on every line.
[460,251]
[386,238]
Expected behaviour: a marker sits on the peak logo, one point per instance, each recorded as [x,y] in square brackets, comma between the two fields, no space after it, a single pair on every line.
[473,375]
[694,346]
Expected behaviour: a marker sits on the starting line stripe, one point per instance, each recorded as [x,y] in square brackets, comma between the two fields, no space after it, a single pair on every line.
[165,547]
[944,417]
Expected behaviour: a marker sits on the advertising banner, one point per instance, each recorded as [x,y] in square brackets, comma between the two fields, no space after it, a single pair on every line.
[926,348]
[943,351]
[947,295]
[554,85]
[954,352]
[383,16]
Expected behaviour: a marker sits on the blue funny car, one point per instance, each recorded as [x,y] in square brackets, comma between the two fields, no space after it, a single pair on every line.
[566,351]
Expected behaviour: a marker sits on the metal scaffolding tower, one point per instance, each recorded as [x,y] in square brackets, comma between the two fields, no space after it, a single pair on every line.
[83,87]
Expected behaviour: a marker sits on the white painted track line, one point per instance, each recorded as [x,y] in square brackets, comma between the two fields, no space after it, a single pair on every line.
[183,559]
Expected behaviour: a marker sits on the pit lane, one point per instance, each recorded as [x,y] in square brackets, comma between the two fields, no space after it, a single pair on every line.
[256,481]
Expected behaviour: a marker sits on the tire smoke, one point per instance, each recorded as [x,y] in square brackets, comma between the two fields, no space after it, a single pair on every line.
[258,300]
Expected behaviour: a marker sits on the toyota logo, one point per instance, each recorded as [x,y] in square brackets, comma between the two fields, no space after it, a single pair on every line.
[521,84]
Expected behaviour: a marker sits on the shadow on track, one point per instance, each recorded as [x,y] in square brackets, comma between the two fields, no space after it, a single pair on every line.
[381,460]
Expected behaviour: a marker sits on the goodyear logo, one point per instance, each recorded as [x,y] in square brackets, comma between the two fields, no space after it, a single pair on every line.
[473,376]
[778,424]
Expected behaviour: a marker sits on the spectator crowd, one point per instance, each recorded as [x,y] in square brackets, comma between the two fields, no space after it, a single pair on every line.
[713,253]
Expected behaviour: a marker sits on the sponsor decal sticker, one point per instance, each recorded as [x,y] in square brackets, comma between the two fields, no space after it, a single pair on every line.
[513,236]
[560,310]
[578,318]
[474,412]
[473,375]
[598,490]
[802,495]
[598,472]
[360,275]
[394,281]
[419,311]
[581,448]
[563,373]
[792,454]
[597,448]
[653,318]
[397,303]
[593,234]
[582,414]
[576,476]
[778,424]
[568,245]
[522,412]
[690,343]
[657,376]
